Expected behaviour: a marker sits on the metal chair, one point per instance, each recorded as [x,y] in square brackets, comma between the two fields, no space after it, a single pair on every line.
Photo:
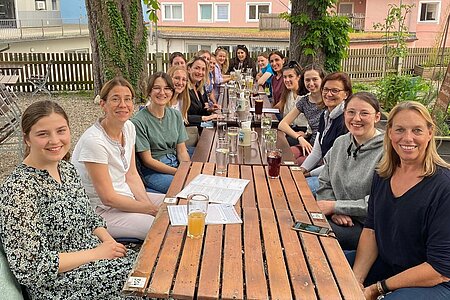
[10,119]
[39,82]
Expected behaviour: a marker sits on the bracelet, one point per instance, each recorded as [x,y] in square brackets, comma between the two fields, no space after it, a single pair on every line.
[380,288]
[299,136]
[384,286]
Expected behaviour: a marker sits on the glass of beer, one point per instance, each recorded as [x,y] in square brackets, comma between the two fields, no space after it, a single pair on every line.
[197,206]
[274,162]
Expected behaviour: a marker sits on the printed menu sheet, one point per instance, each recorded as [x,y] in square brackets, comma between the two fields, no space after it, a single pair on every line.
[219,189]
[216,214]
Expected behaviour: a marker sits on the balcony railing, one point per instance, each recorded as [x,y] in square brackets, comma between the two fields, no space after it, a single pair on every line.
[357,20]
[272,22]
[13,29]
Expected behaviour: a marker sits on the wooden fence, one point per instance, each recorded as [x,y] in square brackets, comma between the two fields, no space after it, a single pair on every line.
[73,71]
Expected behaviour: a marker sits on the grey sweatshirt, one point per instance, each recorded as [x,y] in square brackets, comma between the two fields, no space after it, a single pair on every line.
[347,174]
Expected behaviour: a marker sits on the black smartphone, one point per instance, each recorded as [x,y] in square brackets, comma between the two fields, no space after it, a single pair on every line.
[309,228]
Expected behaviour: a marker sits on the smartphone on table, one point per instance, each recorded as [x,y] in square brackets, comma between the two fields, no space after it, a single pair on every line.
[310,228]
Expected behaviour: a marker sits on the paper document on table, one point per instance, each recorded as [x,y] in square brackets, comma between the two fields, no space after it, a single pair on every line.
[217,214]
[219,189]
[266,110]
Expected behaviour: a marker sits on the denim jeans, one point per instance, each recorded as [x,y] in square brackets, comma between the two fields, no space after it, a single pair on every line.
[380,270]
[159,182]
[313,183]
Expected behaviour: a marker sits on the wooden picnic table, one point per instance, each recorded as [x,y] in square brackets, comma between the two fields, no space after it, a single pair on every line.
[262,258]
[252,155]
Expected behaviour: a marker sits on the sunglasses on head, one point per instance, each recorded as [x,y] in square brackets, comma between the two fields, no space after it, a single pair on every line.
[293,64]
[242,46]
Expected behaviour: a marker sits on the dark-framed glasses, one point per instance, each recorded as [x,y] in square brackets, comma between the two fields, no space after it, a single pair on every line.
[333,92]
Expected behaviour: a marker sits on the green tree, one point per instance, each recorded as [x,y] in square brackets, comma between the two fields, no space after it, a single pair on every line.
[316,34]
[118,41]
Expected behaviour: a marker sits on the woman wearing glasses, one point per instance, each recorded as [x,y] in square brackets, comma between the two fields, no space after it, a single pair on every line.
[105,159]
[277,60]
[160,135]
[311,105]
[199,110]
[180,99]
[242,61]
[346,178]
[336,88]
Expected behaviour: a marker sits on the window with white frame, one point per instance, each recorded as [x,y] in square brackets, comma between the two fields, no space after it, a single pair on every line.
[172,11]
[213,12]
[429,11]
[254,9]
[205,12]
[222,12]
[194,48]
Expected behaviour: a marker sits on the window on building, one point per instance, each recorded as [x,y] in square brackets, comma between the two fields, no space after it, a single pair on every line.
[346,9]
[172,11]
[222,12]
[54,5]
[429,11]
[254,9]
[193,48]
[205,12]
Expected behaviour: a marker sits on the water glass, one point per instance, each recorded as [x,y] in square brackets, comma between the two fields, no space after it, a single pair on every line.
[274,162]
[270,138]
[222,150]
[197,207]
[221,127]
[266,122]
[233,140]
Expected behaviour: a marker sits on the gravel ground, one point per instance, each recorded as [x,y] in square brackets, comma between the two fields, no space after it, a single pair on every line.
[79,107]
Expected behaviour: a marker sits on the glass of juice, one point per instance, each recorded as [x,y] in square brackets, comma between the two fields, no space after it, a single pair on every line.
[274,162]
[197,206]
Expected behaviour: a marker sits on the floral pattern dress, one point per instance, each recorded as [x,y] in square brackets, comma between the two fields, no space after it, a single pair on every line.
[40,218]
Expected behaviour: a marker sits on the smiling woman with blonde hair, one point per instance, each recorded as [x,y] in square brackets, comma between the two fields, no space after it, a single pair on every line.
[404,251]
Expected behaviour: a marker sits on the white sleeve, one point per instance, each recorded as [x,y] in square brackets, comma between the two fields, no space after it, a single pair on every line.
[314,157]
[93,150]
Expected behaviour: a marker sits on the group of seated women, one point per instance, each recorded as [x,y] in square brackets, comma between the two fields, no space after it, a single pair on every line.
[385,194]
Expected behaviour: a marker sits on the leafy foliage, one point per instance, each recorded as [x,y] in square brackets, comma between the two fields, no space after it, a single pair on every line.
[393,89]
[328,32]
[395,31]
[121,52]
[153,7]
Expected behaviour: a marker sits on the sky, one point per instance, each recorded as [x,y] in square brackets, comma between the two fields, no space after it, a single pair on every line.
[76,9]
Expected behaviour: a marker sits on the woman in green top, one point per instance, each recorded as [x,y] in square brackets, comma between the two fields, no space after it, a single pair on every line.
[160,135]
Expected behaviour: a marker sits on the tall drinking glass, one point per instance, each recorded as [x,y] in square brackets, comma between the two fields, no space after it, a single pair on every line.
[274,162]
[197,206]
[222,150]
[233,140]
[221,127]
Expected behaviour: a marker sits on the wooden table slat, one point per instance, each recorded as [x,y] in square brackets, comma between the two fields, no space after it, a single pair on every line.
[276,265]
[203,147]
[263,258]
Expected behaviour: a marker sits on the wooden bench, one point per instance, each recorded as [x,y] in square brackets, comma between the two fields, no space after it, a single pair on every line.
[262,258]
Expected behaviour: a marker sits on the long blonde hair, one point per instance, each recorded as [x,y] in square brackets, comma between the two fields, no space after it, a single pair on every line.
[391,160]
[184,95]
[189,65]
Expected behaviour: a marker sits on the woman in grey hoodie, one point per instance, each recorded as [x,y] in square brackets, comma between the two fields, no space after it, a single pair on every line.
[346,178]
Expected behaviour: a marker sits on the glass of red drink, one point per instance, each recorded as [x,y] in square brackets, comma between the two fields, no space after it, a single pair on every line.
[274,162]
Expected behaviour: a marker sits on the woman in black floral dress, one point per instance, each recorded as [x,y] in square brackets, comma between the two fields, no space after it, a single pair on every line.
[55,244]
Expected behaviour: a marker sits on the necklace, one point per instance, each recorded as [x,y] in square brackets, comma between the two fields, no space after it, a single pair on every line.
[155,116]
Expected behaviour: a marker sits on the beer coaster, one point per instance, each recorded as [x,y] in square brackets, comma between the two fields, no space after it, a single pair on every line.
[289,163]
[137,282]
[317,216]
[170,200]
[296,168]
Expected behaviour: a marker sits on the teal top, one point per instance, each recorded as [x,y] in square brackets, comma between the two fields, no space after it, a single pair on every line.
[160,136]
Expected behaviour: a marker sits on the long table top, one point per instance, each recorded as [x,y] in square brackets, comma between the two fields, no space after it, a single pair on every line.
[262,258]
[252,155]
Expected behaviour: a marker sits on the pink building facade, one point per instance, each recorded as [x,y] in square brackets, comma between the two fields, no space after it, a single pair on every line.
[221,13]
[427,18]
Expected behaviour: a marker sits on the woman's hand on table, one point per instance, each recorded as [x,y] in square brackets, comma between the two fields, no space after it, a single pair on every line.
[304,144]
[110,250]
[212,117]
[342,220]
[371,292]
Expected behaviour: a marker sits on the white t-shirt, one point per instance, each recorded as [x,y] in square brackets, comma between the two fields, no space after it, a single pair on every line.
[97,147]
[290,105]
